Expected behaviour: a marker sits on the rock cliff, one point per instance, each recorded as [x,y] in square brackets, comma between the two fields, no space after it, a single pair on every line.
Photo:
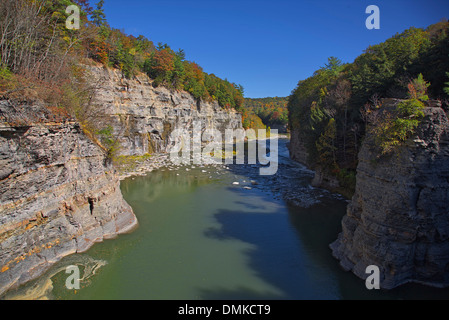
[57,195]
[144,116]
[398,219]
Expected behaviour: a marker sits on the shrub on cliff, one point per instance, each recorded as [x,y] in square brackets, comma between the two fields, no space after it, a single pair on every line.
[399,124]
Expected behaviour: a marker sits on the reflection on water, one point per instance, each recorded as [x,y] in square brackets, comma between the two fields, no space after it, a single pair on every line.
[202,237]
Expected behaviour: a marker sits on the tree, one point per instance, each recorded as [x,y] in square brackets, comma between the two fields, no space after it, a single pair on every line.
[333,66]
[398,125]
[181,54]
[338,97]
[178,74]
[160,66]
[239,88]
[98,15]
[84,4]
[326,144]
[417,88]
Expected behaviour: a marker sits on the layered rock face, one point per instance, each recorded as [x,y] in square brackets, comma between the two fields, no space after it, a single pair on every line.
[57,196]
[143,116]
[398,219]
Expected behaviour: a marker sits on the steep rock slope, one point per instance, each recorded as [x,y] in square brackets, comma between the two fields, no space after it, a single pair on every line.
[398,219]
[57,196]
[144,116]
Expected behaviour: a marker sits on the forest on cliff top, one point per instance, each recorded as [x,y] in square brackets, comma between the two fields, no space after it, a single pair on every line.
[333,110]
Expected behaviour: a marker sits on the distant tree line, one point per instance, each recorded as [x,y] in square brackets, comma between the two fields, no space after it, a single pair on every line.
[270,111]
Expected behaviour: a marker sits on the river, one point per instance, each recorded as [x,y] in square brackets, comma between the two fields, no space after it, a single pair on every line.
[203,236]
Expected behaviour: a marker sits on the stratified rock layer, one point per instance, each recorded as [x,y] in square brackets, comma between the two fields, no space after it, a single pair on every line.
[144,116]
[398,219]
[57,196]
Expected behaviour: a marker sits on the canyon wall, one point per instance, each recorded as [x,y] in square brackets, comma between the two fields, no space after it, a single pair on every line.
[398,218]
[144,116]
[298,152]
[57,195]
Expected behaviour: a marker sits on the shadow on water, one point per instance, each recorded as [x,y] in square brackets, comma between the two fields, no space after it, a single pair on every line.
[299,263]
[308,269]
[290,253]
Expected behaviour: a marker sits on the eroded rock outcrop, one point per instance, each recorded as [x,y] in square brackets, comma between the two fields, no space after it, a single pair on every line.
[398,219]
[57,195]
[144,116]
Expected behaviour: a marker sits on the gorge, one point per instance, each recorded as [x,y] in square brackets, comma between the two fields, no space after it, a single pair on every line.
[84,205]
[86,178]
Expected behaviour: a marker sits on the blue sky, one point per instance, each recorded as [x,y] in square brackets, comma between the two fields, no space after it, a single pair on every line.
[268,46]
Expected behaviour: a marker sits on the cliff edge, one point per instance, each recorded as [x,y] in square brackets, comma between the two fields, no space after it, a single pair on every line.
[143,116]
[398,218]
[57,194]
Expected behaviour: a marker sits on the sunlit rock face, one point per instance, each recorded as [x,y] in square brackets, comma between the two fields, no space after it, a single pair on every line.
[143,117]
[398,218]
[57,194]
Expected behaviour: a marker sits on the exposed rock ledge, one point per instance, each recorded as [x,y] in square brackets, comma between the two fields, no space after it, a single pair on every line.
[57,196]
[399,216]
[143,116]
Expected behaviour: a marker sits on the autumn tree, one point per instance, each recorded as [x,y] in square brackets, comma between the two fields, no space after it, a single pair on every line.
[160,66]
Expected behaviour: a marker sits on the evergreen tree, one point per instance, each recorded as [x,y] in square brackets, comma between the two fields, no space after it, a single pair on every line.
[334,66]
[98,15]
